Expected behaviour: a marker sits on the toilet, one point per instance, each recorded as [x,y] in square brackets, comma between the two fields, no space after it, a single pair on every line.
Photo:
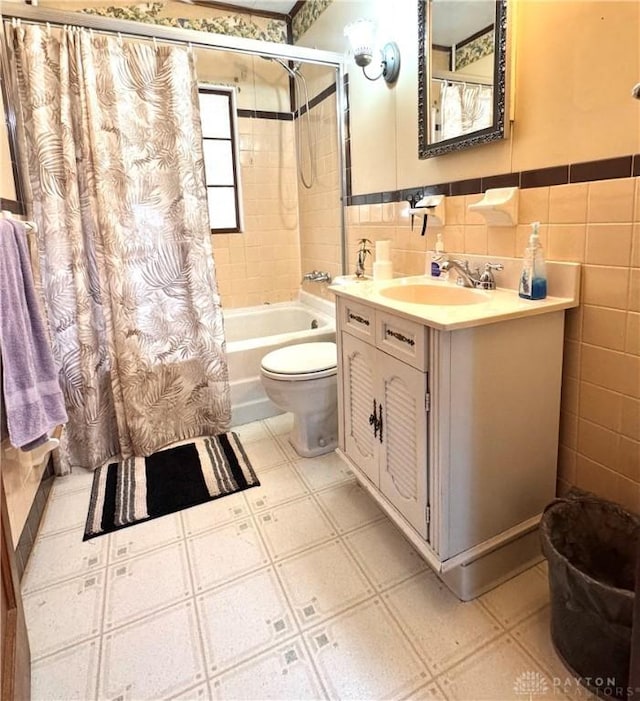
[302,379]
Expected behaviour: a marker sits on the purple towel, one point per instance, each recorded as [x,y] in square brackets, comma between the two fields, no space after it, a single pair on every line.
[32,397]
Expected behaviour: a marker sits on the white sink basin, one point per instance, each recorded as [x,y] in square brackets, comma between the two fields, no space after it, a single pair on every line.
[434,294]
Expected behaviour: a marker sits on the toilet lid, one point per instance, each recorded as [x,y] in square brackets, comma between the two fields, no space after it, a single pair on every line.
[301,359]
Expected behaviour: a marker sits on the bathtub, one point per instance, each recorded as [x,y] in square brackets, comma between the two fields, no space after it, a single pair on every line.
[252,332]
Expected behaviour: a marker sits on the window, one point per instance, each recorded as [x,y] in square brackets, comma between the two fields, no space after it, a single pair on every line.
[220,146]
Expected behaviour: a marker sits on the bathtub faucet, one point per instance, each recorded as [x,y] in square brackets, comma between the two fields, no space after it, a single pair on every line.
[316,276]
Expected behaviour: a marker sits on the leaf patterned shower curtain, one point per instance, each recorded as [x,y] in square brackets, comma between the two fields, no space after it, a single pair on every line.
[111,145]
[465,108]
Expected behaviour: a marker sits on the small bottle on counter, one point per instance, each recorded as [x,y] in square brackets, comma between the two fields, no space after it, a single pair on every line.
[533,280]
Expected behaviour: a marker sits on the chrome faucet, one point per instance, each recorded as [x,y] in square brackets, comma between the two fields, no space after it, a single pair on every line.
[316,276]
[468,277]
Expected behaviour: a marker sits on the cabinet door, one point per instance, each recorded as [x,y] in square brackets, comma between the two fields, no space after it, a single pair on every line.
[358,362]
[403,449]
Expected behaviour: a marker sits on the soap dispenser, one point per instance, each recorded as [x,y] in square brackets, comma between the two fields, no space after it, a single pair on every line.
[533,280]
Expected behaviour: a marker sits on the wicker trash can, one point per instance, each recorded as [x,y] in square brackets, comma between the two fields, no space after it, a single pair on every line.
[591,545]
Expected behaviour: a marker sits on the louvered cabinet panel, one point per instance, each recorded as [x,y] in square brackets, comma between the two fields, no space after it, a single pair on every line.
[403,465]
[358,378]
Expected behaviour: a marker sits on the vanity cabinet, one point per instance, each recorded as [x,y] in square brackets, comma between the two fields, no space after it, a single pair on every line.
[386,400]
[385,426]
[453,433]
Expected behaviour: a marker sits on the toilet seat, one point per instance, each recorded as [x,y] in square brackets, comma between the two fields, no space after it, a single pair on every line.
[303,361]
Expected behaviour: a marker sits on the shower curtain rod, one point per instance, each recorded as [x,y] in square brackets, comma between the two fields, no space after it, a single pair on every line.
[463,82]
[452,77]
[127,28]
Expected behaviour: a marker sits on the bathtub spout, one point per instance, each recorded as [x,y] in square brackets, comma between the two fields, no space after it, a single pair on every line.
[316,276]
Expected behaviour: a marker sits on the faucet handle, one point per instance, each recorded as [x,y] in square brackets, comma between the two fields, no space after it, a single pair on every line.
[486,281]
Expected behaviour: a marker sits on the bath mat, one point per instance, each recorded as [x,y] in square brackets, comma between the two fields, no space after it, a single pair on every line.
[140,489]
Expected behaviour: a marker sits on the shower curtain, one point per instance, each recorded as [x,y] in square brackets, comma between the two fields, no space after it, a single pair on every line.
[111,145]
[465,108]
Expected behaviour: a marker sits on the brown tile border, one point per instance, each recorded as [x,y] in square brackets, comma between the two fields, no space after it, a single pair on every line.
[466,187]
[506,180]
[265,114]
[589,171]
[601,170]
[544,177]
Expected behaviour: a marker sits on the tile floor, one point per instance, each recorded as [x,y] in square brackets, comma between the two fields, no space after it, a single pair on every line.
[298,589]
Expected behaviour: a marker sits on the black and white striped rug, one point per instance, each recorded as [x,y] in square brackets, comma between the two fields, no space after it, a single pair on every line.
[140,489]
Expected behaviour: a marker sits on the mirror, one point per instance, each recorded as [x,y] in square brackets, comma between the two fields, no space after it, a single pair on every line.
[461,74]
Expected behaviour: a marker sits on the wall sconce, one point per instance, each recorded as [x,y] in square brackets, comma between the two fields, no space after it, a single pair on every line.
[361,40]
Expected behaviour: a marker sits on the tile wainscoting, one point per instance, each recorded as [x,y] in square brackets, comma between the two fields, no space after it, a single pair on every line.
[595,222]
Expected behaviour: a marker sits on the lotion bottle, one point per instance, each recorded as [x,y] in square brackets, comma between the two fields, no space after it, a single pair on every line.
[533,280]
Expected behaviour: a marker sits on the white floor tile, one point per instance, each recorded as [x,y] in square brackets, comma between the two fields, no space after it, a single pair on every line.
[143,584]
[286,447]
[280,425]
[362,654]
[277,485]
[64,512]
[429,692]
[375,623]
[80,480]
[289,528]
[385,555]
[534,635]
[322,582]
[443,628]
[323,471]
[70,675]
[264,453]
[518,598]
[225,553]
[63,556]
[156,533]
[278,675]
[349,506]
[213,514]
[198,693]
[499,671]
[64,614]
[155,658]
[243,619]
[251,432]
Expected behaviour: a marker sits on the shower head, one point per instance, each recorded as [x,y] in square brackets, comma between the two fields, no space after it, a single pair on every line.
[291,71]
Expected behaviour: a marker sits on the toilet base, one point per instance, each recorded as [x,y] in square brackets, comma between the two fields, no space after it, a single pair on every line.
[315,435]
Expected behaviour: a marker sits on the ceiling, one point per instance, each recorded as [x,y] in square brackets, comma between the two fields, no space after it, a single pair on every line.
[454,21]
[281,6]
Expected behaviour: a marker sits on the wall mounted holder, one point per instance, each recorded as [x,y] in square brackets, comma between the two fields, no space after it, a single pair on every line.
[431,208]
[499,206]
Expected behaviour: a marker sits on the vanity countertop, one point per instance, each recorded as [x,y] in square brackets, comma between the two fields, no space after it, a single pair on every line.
[501,304]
